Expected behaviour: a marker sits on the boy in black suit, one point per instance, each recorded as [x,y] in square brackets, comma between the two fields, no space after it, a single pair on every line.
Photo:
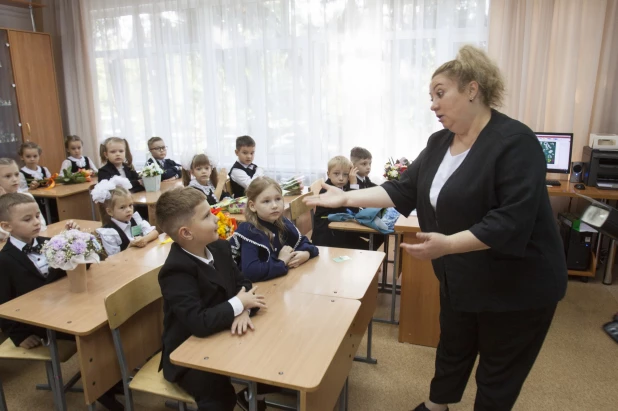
[361,162]
[158,151]
[243,172]
[340,174]
[203,290]
[24,268]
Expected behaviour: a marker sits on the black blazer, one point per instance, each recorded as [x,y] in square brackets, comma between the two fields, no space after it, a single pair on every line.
[499,194]
[366,184]
[109,170]
[20,276]
[195,298]
[170,168]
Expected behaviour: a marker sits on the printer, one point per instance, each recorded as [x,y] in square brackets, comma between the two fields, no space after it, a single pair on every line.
[600,168]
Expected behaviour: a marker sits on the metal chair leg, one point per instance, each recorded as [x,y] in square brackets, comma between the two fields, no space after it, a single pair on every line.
[2,399]
[57,385]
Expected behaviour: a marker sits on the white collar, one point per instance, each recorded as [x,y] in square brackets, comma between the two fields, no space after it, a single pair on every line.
[245,165]
[195,183]
[121,224]
[20,244]
[38,171]
[79,161]
[209,258]
[361,178]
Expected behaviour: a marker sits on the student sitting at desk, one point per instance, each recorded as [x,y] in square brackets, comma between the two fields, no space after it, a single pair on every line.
[203,290]
[267,245]
[123,227]
[24,267]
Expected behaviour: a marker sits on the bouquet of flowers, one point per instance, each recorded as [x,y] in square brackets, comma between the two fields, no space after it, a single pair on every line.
[394,169]
[81,176]
[151,170]
[231,205]
[293,186]
[226,224]
[70,248]
[47,183]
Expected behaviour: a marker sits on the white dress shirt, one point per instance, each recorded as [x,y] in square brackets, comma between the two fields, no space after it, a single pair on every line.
[81,162]
[39,260]
[447,167]
[242,178]
[235,302]
[111,239]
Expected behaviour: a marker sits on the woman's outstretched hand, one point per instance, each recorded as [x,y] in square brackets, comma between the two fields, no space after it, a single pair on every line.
[333,198]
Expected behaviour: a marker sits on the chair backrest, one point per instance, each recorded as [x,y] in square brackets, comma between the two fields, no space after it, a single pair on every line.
[298,207]
[129,299]
[98,207]
[228,186]
[316,186]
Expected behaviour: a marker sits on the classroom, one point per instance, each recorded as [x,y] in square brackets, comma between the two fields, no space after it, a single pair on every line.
[315,205]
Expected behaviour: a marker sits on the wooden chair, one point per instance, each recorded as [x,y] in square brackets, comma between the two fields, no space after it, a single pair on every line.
[298,207]
[66,349]
[316,186]
[135,312]
[228,186]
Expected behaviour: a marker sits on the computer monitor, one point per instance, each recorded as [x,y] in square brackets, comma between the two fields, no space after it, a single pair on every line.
[557,148]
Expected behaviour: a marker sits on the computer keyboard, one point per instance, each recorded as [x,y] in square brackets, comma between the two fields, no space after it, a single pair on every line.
[553,183]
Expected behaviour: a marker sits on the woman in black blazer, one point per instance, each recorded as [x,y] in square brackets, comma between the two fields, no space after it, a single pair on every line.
[488,227]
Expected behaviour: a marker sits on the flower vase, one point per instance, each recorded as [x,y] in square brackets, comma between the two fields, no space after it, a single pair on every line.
[152,183]
[77,279]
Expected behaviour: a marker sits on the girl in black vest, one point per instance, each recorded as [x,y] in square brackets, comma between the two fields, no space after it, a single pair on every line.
[123,227]
[76,161]
[200,172]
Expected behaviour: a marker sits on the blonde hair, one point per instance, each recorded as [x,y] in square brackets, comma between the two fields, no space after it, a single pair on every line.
[256,188]
[197,161]
[339,161]
[6,161]
[473,64]
[103,150]
[176,207]
[115,194]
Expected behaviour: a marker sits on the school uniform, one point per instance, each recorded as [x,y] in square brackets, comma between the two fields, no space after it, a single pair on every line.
[117,235]
[21,273]
[26,176]
[242,175]
[109,170]
[209,190]
[39,174]
[199,298]
[257,255]
[170,168]
[76,164]
[324,236]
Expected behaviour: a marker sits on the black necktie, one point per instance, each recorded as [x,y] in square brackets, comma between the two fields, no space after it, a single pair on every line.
[28,249]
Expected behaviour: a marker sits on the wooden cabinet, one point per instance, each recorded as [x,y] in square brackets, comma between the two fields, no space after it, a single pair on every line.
[37,110]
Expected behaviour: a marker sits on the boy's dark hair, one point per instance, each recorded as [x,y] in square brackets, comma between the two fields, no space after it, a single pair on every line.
[10,200]
[176,207]
[153,140]
[244,141]
[28,145]
[359,153]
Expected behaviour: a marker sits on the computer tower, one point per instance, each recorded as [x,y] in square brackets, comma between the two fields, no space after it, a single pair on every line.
[577,239]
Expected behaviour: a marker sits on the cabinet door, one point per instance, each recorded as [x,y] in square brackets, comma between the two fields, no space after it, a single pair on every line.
[37,94]
[10,132]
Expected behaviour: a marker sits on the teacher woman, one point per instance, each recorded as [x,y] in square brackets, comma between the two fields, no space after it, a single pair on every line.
[488,227]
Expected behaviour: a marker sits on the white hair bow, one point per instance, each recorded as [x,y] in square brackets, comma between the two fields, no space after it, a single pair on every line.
[101,192]
[186,159]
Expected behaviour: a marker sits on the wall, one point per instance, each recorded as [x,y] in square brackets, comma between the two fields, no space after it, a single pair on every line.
[15,18]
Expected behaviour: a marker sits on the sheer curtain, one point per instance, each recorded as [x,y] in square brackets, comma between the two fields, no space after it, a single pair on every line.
[560,59]
[308,79]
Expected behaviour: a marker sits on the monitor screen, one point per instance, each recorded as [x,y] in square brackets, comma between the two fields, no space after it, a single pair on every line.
[557,149]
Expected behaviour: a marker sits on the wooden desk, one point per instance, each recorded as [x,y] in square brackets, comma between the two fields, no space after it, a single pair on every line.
[73,200]
[312,333]
[83,314]
[150,198]
[568,190]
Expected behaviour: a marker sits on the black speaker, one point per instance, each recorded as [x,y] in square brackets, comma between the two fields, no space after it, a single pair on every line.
[577,168]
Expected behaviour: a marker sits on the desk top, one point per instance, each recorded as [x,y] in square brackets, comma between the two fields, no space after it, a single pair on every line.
[54,306]
[351,226]
[568,190]
[299,361]
[323,276]
[151,197]
[62,190]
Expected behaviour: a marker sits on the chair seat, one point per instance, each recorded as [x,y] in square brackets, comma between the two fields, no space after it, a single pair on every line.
[66,349]
[149,379]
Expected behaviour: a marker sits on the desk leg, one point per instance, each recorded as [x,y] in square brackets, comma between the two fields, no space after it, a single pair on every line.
[385,264]
[394,282]
[609,267]
[252,393]
[48,215]
[371,242]
[343,397]
[56,383]
[368,358]
[3,400]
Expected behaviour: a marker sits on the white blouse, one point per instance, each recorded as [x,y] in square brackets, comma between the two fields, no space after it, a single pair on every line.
[111,239]
[80,163]
[448,166]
